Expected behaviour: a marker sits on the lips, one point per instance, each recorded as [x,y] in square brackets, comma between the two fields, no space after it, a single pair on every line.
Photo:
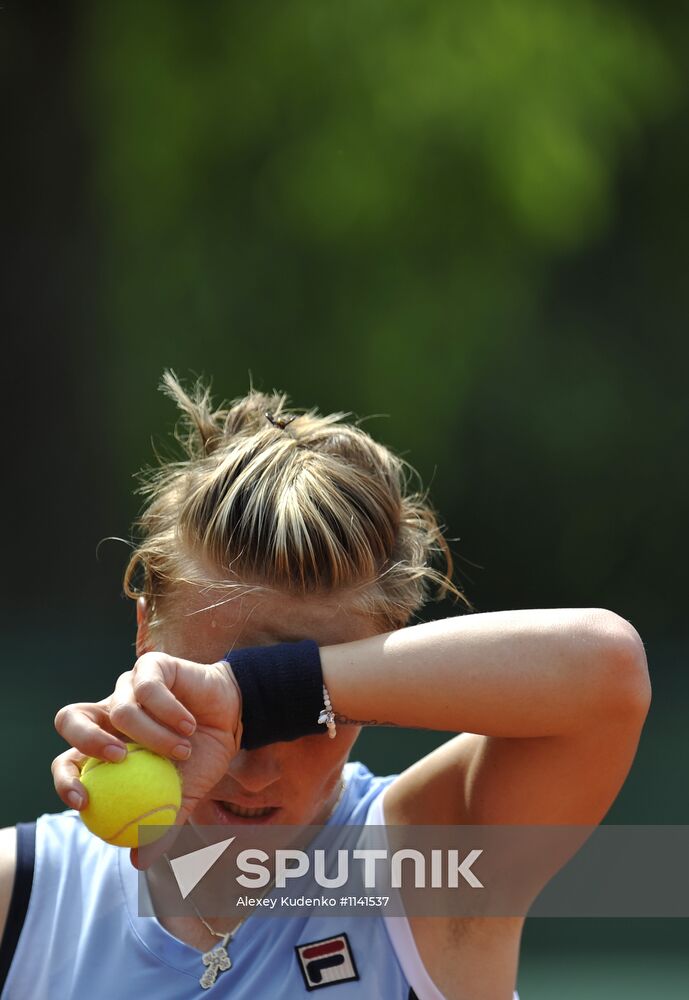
[233,813]
[237,810]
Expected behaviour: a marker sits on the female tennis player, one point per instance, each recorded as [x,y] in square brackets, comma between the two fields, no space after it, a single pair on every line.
[277,568]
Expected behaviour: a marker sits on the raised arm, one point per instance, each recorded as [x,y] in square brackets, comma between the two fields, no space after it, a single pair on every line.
[505,674]
[550,704]
[538,695]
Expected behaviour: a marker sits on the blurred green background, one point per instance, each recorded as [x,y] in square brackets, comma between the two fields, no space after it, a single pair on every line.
[465,220]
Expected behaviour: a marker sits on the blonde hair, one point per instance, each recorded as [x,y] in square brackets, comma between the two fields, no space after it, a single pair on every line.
[278,500]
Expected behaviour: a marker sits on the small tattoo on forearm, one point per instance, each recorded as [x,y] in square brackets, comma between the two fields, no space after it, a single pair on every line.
[346,721]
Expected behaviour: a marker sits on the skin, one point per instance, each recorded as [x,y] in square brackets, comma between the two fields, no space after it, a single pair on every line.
[302,777]
[544,700]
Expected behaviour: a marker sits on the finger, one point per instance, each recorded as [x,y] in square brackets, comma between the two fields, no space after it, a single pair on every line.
[66,770]
[89,728]
[152,680]
[131,718]
[135,719]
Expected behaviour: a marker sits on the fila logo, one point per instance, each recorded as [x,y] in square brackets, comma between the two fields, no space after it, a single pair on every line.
[326,962]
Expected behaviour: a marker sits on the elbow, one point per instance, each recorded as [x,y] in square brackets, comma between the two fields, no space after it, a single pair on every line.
[623,667]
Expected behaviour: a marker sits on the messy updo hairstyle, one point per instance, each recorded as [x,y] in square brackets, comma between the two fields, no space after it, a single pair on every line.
[270,498]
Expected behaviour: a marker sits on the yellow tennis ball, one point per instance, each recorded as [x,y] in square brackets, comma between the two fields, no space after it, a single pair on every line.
[143,789]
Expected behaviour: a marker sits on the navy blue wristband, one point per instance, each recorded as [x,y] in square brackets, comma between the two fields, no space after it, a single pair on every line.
[282,691]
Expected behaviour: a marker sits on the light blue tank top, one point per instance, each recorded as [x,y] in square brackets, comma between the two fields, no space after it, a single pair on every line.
[82,936]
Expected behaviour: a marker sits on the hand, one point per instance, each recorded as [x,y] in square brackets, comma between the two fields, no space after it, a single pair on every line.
[149,705]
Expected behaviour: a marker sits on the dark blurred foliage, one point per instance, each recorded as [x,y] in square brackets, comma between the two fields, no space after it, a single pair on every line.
[465,217]
[464,220]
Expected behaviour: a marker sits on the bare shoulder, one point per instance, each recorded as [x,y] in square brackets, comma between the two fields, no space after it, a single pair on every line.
[8,863]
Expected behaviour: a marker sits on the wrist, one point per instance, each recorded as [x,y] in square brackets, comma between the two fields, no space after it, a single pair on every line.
[281,692]
[235,698]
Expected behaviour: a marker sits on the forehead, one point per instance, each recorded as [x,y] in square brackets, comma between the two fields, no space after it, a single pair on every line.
[204,624]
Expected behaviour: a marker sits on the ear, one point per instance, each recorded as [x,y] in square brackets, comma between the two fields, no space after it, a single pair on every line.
[143,642]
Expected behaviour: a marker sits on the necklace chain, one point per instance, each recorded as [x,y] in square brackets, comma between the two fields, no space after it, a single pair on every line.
[217,959]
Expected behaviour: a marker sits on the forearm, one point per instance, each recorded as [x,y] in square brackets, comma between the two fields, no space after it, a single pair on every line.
[509,673]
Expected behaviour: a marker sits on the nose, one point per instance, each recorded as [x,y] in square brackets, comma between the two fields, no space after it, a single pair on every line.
[255,770]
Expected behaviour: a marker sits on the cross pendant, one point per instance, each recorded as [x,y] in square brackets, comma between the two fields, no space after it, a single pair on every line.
[217,960]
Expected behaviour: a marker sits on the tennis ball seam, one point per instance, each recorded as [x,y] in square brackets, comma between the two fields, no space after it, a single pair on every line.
[137,819]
